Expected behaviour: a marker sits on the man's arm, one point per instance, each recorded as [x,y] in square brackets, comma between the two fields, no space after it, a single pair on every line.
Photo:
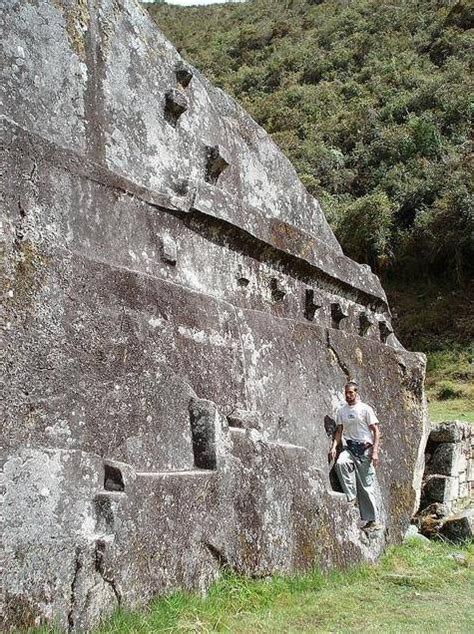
[375,450]
[335,442]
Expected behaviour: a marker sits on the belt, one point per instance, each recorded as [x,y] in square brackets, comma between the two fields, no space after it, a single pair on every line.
[358,448]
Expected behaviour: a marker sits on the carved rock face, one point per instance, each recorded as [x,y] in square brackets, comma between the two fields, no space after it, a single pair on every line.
[174,351]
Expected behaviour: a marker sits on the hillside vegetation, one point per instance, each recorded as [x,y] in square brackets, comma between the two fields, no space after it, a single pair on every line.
[372,102]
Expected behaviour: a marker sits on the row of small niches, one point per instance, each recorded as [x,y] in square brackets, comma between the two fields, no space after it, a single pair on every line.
[313,301]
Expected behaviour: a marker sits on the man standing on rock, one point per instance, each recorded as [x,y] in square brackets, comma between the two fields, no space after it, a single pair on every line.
[355,466]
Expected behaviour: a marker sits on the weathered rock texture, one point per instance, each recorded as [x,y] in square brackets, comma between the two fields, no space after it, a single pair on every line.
[448,482]
[180,321]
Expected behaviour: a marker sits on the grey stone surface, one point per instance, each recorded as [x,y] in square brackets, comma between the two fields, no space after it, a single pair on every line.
[459,527]
[444,459]
[449,431]
[439,488]
[171,359]
[413,533]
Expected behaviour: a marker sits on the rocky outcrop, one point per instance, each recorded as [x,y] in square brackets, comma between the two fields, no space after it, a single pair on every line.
[180,322]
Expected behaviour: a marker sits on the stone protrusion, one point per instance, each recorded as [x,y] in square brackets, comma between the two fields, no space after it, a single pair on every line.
[183,75]
[278,293]
[217,160]
[312,304]
[385,329]
[365,323]
[176,104]
[338,313]
[244,419]
[104,514]
[203,419]
[169,250]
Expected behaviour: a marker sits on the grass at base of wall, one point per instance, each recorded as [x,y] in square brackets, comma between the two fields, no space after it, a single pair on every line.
[416,587]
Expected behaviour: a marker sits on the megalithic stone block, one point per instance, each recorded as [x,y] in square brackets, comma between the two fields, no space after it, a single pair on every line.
[440,488]
[338,313]
[117,178]
[312,304]
[445,459]
[217,160]
[169,250]
[449,431]
[176,104]
[460,527]
[365,323]
[278,293]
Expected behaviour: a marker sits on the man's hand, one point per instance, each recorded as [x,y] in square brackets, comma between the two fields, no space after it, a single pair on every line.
[375,449]
[332,454]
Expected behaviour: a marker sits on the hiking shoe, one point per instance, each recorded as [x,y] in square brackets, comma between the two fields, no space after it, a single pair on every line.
[371,527]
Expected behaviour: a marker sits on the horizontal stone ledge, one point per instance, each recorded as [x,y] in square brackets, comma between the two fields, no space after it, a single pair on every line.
[450,431]
[222,205]
[175,474]
[285,445]
[111,495]
[213,202]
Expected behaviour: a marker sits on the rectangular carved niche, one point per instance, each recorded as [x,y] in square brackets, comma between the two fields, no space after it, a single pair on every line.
[217,160]
[203,418]
[113,479]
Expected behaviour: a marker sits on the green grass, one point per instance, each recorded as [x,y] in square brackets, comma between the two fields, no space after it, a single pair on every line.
[450,384]
[456,409]
[416,587]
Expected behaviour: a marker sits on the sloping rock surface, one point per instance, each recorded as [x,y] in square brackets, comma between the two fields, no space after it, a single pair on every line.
[179,325]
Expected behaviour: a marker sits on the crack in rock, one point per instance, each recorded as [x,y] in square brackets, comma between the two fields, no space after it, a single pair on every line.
[77,569]
[341,364]
[100,568]
[218,555]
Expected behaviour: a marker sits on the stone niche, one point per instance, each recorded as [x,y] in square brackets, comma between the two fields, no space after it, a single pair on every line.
[179,324]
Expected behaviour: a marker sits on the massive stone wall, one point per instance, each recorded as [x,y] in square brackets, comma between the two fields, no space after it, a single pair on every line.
[179,324]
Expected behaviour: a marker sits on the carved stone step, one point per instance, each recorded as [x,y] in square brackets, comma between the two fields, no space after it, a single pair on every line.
[173,474]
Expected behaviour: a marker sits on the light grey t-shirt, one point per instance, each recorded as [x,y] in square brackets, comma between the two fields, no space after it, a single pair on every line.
[356,420]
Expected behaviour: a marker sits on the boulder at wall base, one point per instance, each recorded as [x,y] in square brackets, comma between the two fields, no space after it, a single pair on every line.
[413,533]
[431,518]
[459,527]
